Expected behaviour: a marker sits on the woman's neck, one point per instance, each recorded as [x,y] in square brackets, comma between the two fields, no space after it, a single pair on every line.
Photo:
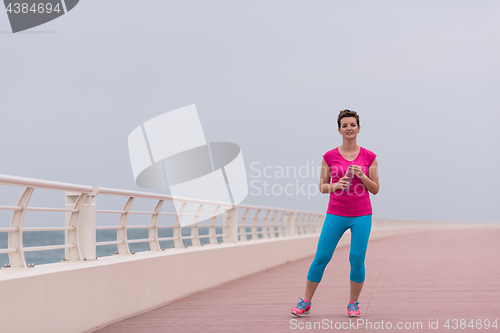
[349,146]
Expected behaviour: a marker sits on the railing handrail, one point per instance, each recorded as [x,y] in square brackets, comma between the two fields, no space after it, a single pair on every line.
[79,231]
[53,185]
[43,184]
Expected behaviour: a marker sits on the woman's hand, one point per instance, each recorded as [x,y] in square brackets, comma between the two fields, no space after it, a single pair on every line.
[342,184]
[371,181]
[357,171]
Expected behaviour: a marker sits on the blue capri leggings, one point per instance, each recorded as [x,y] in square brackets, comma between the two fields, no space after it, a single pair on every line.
[333,229]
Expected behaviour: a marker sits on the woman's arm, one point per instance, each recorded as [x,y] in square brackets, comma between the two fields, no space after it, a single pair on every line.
[324,183]
[371,181]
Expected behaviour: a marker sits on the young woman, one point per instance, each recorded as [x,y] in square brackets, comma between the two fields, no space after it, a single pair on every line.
[349,207]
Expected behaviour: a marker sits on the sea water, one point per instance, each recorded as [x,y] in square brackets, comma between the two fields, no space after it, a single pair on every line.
[44,238]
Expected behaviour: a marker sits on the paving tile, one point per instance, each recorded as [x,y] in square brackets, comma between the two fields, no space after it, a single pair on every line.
[426,277]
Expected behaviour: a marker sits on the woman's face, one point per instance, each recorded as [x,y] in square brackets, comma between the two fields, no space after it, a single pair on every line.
[349,128]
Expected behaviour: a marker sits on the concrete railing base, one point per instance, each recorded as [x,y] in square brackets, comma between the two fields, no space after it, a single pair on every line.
[77,297]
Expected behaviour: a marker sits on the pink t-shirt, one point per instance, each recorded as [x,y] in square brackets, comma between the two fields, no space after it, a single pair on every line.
[355,201]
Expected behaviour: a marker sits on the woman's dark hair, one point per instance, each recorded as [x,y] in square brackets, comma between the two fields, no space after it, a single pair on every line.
[347,113]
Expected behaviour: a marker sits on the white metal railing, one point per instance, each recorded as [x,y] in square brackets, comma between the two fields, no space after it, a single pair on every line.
[252,223]
[255,223]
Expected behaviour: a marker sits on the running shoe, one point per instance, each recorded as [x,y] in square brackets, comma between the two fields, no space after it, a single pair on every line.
[302,308]
[353,309]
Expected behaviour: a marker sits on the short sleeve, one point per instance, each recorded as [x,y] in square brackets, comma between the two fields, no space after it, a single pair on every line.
[371,157]
[328,158]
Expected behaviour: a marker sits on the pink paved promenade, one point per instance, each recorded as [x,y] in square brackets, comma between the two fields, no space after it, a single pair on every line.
[416,278]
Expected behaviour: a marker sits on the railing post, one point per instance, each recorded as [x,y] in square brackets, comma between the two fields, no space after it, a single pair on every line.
[121,233]
[231,222]
[255,234]
[177,231]
[243,226]
[195,231]
[86,225]
[15,240]
[309,223]
[291,226]
[299,223]
[265,227]
[283,224]
[272,226]
[154,245]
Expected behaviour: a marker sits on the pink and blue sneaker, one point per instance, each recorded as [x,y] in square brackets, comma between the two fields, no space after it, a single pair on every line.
[302,308]
[353,309]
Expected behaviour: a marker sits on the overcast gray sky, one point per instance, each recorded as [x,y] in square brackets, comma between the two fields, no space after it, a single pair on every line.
[271,77]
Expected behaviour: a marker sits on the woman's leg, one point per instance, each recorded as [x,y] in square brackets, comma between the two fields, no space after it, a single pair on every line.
[360,233]
[310,289]
[355,290]
[333,229]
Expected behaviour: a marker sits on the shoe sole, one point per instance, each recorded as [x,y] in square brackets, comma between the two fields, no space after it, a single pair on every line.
[300,315]
[353,315]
